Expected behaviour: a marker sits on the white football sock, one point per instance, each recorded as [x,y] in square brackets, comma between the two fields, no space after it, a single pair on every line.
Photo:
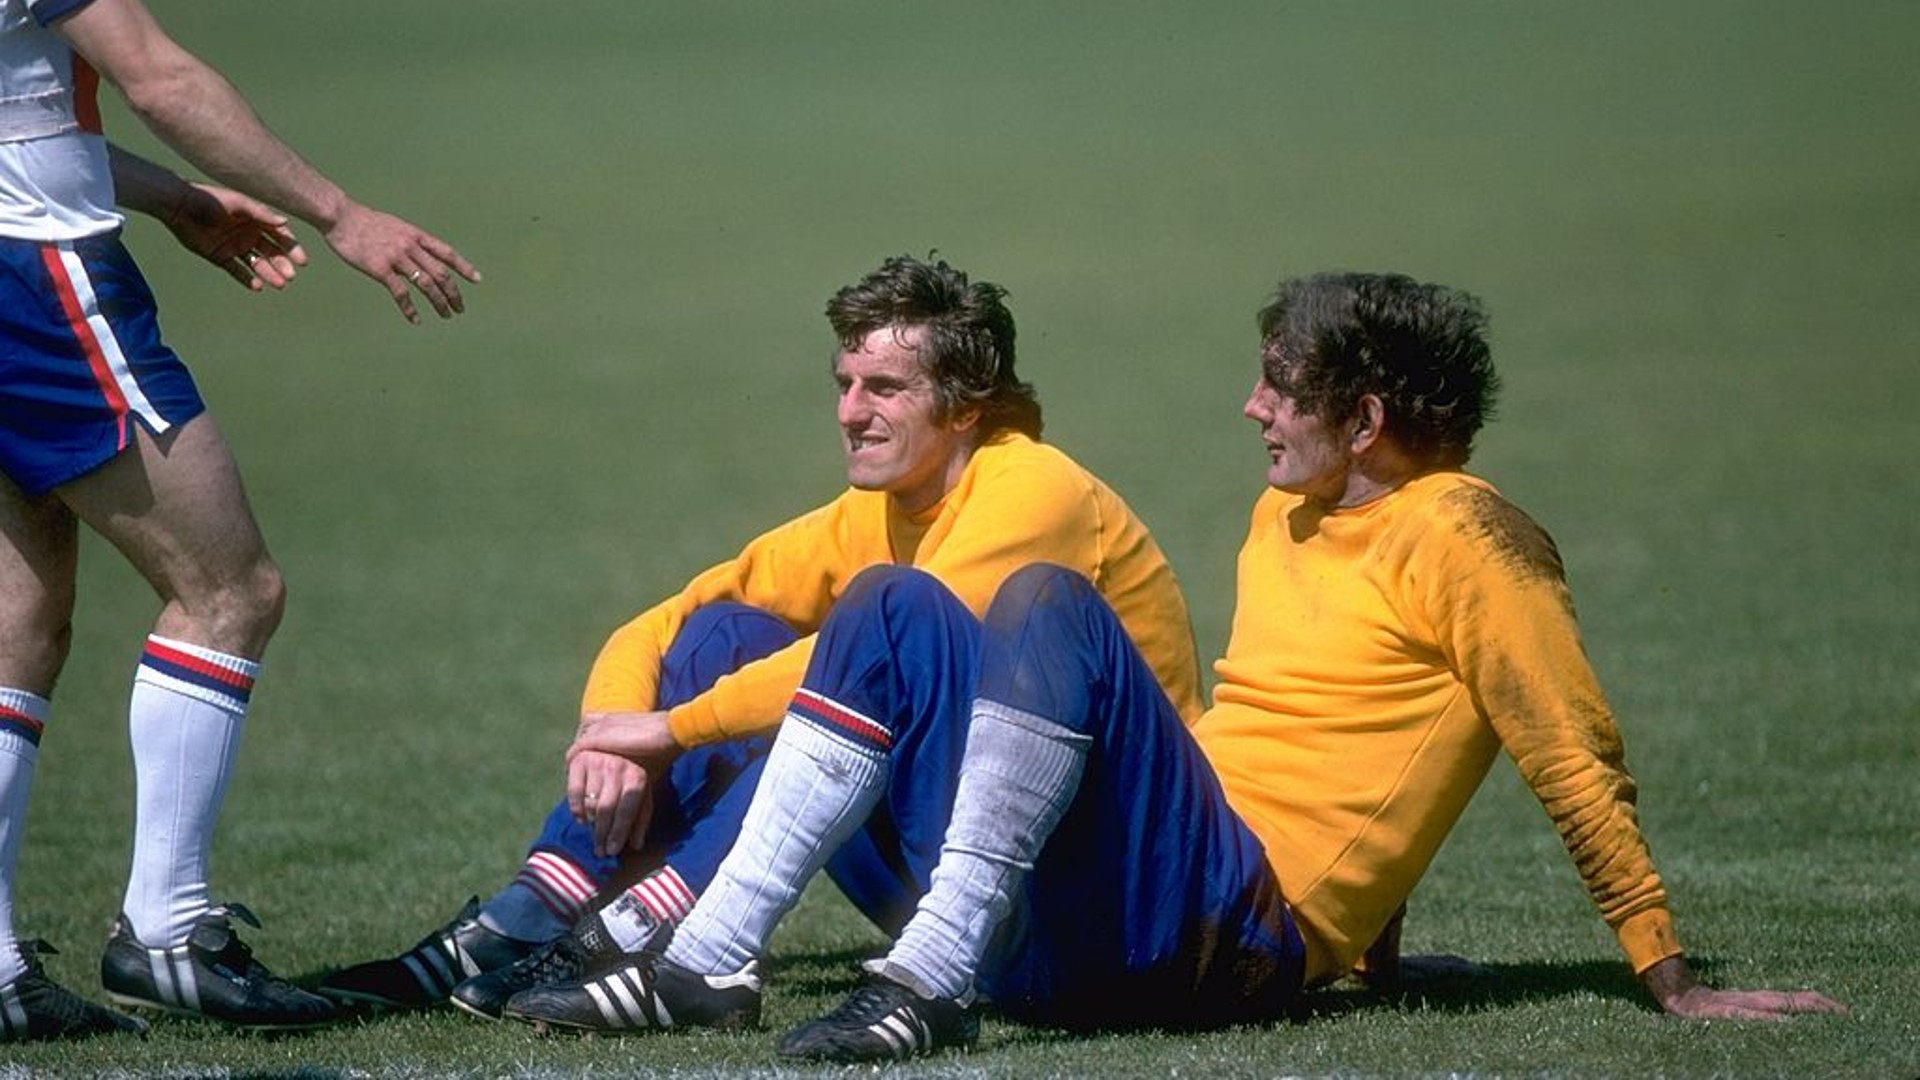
[189,705]
[1017,778]
[816,790]
[22,716]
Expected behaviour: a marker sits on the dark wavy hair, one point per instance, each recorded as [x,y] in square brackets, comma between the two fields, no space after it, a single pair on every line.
[967,347]
[1330,338]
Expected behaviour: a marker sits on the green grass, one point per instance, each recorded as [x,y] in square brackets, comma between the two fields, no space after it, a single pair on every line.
[1693,225]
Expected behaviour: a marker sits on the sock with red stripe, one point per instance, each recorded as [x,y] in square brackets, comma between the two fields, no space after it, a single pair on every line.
[660,898]
[189,705]
[827,769]
[543,901]
[22,716]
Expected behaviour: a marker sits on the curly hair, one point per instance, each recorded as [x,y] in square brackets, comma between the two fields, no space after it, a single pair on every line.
[968,340]
[1328,339]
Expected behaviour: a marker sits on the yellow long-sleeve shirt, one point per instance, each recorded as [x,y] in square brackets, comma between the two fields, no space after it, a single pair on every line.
[1018,502]
[1379,658]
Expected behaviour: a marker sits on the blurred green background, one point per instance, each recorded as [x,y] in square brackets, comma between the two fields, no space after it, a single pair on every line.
[1694,226]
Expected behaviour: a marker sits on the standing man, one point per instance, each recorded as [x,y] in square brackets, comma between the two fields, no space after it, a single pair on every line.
[100,423]
[946,475]
[1106,865]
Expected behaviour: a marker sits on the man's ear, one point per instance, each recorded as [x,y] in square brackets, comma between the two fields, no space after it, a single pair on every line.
[1369,421]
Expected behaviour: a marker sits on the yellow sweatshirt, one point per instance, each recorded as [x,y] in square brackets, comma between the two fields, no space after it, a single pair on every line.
[1380,656]
[1018,502]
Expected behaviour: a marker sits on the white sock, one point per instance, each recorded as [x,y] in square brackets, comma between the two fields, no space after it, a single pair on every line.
[22,716]
[1017,778]
[189,705]
[817,788]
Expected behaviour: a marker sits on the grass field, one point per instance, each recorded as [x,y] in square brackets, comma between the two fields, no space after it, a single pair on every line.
[1694,225]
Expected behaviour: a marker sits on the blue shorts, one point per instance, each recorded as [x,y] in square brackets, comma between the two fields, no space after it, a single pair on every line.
[80,357]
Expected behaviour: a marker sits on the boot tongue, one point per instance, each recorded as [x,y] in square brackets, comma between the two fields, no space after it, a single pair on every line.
[215,940]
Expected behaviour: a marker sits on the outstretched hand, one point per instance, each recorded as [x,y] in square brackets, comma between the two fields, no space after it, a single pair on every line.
[241,235]
[1672,983]
[402,256]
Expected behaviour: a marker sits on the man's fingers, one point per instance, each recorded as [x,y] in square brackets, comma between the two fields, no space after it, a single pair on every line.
[436,284]
[273,268]
[445,253]
[1761,1004]
[579,775]
[624,814]
[286,247]
[402,297]
[601,827]
[1809,1001]
[642,820]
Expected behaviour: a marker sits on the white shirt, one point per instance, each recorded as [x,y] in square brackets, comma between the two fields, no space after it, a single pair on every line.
[56,182]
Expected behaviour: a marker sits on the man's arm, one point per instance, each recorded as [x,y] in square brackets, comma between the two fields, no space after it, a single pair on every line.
[1515,638]
[624,741]
[197,112]
[1671,982]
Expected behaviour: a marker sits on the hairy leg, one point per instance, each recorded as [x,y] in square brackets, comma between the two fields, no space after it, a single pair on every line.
[174,506]
[38,556]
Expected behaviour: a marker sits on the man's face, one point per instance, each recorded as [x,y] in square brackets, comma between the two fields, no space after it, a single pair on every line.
[889,417]
[1309,456]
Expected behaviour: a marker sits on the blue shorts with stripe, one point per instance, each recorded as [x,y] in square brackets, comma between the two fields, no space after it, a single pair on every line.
[1152,903]
[80,360]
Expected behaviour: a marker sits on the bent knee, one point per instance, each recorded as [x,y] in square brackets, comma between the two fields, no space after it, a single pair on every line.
[1043,586]
[38,616]
[878,584]
[718,638]
[33,655]
[268,596]
[237,614]
[732,617]
[259,601]
[895,596]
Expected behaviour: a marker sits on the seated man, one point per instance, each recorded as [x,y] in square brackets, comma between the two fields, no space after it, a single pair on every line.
[1106,864]
[947,476]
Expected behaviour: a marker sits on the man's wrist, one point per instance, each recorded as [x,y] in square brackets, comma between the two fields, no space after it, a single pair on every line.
[1669,980]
